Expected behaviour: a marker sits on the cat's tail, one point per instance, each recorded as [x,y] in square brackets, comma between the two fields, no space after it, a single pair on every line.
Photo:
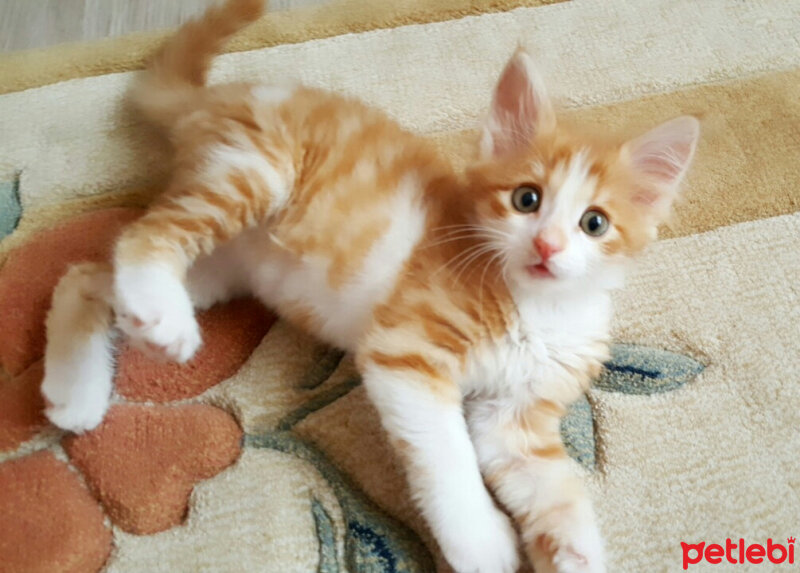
[171,82]
[78,361]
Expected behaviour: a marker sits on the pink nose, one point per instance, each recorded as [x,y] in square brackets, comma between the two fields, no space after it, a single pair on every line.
[545,249]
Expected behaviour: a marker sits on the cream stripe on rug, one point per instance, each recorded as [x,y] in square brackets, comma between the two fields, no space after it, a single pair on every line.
[75,138]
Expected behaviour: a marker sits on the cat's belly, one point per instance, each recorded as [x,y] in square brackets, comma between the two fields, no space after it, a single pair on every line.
[299,291]
[331,290]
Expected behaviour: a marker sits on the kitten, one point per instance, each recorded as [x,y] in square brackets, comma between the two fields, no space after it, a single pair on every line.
[477,305]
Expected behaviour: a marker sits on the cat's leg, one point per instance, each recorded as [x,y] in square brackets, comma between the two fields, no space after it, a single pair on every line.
[78,365]
[197,214]
[524,462]
[422,415]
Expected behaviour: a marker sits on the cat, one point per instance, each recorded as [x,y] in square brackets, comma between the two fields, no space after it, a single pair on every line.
[476,302]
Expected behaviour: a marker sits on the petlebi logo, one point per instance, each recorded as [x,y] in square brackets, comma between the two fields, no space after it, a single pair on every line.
[738,553]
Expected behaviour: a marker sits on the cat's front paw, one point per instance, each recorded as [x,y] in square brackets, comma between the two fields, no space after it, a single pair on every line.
[154,310]
[482,545]
[571,544]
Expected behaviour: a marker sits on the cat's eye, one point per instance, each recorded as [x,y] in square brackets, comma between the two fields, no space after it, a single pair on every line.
[594,223]
[526,198]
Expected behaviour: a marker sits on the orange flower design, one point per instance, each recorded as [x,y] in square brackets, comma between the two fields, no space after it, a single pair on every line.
[138,468]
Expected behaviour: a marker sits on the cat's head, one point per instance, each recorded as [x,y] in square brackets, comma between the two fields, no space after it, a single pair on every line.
[563,208]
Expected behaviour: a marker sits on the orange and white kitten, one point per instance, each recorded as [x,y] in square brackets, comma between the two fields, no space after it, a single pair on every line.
[477,305]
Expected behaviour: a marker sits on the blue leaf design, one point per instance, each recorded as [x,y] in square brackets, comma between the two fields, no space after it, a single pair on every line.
[374,542]
[633,369]
[643,370]
[10,206]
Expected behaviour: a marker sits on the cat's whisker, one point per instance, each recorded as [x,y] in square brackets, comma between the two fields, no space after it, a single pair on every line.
[459,257]
[449,240]
[477,228]
[456,258]
[466,263]
[463,232]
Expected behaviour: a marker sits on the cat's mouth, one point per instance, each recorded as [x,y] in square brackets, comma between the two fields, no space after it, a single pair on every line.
[540,271]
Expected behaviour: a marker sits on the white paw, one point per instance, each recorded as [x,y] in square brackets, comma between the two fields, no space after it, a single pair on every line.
[154,310]
[572,544]
[77,417]
[482,545]
[76,405]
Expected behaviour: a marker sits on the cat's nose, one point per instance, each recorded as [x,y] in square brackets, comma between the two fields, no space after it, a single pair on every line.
[545,248]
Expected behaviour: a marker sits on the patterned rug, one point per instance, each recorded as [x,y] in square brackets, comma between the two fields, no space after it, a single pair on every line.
[263,454]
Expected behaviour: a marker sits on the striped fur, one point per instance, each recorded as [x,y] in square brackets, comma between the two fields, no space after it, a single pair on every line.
[474,324]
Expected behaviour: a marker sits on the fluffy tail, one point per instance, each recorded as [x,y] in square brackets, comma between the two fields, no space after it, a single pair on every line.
[78,362]
[171,82]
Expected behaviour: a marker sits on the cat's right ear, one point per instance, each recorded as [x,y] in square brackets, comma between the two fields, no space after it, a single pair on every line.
[520,108]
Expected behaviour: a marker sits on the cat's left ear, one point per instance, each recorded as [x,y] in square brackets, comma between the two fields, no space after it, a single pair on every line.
[660,159]
[520,108]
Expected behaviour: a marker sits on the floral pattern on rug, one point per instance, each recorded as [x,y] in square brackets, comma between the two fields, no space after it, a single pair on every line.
[142,462]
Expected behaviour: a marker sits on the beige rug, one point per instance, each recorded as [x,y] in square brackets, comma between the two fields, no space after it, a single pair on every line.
[692,433]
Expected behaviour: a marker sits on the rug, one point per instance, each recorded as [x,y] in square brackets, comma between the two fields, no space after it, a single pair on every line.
[263,454]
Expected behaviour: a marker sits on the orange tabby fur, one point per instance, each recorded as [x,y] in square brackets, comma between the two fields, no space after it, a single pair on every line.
[361,233]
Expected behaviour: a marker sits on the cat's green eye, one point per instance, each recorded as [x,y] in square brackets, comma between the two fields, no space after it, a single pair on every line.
[526,198]
[594,223]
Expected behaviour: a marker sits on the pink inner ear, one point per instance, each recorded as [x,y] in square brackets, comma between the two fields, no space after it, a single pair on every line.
[514,109]
[514,94]
[664,153]
[646,197]
[517,106]
[664,162]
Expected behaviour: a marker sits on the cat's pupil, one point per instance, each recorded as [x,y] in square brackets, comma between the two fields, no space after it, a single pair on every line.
[595,222]
[527,199]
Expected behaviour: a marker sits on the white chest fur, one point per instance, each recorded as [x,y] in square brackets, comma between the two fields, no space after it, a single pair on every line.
[555,336]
